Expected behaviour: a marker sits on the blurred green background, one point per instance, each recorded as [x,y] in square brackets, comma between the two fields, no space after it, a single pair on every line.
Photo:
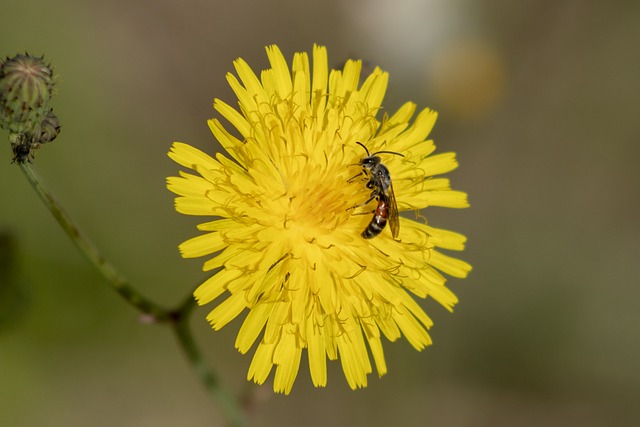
[538,98]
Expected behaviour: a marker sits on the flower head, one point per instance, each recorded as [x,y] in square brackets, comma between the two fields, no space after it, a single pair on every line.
[288,205]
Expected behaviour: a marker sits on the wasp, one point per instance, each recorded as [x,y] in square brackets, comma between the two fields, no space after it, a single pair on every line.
[382,190]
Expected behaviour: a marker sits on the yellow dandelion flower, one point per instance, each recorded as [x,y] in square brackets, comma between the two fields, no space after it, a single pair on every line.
[286,234]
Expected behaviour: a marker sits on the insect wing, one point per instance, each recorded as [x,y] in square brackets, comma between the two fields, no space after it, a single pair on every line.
[394,221]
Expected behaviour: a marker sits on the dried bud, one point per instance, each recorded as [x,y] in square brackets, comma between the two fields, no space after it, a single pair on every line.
[26,84]
[47,130]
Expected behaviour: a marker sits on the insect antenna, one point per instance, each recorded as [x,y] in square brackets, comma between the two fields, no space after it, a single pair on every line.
[388,152]
[378,152]
[363,146]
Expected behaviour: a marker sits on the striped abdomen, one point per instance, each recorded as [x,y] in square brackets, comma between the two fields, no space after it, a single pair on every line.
[379,220]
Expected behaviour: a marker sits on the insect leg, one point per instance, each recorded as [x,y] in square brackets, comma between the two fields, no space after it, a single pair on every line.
[350,180]
[374,195]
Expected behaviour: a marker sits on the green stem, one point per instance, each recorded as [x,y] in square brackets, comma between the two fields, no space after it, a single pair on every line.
[91,251]
[228,403]
[179,318]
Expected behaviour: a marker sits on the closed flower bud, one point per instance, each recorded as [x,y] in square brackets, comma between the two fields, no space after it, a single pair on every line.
[26,84]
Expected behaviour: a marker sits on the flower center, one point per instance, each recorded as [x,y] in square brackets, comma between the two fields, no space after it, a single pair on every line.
[317,201]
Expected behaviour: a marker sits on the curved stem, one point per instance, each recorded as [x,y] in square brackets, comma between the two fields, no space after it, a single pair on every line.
[179,318]
[229,404]
[91,251]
